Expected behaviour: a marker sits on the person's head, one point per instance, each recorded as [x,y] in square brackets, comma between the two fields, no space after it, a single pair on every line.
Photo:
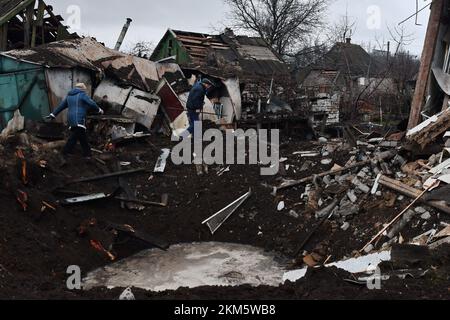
[81,86]
[207,83]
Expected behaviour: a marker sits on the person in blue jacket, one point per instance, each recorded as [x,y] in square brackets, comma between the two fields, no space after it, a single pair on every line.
[195,103]
[78,103]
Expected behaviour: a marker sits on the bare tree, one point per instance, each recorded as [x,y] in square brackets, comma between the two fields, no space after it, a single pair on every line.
[282,23]
[142,49]
[342,29]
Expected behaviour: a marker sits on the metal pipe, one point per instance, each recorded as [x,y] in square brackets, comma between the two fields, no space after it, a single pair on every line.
[123,34]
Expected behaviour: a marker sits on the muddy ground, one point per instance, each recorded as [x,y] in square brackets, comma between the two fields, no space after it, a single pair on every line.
[37,247]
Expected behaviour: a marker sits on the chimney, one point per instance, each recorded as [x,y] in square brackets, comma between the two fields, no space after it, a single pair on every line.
[348,40]
[123,34]
[228,32]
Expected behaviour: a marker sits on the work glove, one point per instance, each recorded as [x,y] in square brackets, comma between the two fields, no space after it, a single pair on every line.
[100,111]
[50,117]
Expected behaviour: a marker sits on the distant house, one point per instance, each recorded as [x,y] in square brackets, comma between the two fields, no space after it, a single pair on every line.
[339,75]
[28,23]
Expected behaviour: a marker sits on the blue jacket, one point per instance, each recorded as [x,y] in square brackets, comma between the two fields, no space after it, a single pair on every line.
[79,104]
[196,98]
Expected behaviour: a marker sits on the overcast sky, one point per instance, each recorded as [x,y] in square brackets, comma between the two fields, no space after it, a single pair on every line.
[104,19]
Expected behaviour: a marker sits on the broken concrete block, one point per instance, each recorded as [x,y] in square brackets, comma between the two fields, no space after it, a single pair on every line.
[361,186]
[348,209]
[351,196]
[326,162]
[407,217]
[426,216]
[323,140]
[293,214]
[327,180]
[420,210]
[345,226]
[378,193]
[369,248]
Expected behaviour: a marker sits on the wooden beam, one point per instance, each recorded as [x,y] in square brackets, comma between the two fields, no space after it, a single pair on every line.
[4,37]
[427,58]
[412,193]
[11,14]
[29,14]
[38,23]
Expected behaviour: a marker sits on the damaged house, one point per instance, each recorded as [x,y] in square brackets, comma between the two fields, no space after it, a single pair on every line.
[333,83]
[250,72]
[29,23]
[431,98]
[33,82]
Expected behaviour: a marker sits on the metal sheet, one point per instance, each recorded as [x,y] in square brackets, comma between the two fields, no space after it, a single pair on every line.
[115,96]
[234,92]
[142,106]
[26,90]
[443,79]
[60,81]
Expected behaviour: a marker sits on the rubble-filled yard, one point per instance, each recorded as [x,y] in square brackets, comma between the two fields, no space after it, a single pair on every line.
[321,219]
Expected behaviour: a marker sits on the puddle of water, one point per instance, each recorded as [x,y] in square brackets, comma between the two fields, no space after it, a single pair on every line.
[191,265]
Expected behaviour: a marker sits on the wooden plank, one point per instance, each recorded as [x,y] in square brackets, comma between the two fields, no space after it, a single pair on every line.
[411,193]
[427,58]
[446,101]
[38,23]
[29,14]
[4,37]
[24,4]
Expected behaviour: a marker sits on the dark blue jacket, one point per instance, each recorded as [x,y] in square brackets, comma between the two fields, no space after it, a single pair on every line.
[196,98]
[79,104]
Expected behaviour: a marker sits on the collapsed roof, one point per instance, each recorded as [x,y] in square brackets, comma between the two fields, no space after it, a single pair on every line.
[224,55]
[43,25]
[89,54]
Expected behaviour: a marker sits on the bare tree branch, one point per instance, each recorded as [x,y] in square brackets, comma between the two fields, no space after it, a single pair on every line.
[282,23]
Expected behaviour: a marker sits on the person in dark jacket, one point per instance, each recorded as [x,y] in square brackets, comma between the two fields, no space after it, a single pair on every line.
[195,103]
[78,104]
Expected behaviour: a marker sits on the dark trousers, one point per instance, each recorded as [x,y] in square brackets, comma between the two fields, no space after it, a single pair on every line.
[193,117]
[78,134]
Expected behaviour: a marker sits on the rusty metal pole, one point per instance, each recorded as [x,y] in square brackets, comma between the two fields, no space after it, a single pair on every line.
[437,7]
[123,34]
